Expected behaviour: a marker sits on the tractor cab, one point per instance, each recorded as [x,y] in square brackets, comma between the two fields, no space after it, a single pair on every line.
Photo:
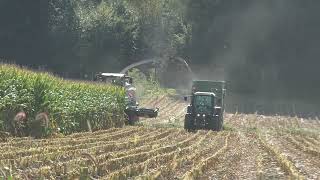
[122,80]
[206,106]
[204,103]
[114,78]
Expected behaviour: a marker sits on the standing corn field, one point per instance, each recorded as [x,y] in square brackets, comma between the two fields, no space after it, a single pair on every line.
[70,105]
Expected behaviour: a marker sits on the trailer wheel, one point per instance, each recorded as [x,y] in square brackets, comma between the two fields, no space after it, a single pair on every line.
[189,123]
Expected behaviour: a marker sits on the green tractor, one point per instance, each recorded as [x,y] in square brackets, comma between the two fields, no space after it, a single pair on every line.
[132,109]
[206,106]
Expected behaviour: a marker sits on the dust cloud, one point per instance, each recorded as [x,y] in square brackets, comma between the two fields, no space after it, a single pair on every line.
[255,49]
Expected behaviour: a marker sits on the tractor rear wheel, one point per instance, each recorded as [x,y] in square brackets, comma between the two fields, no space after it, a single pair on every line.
[132,119]
[220,120]
[189,123]
[220,124]
[214,124]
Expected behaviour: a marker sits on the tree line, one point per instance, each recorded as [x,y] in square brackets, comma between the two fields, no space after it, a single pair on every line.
[267,47]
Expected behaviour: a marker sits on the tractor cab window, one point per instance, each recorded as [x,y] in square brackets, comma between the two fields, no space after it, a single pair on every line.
[203,104]
[109,80]
[128,80]
[114,80]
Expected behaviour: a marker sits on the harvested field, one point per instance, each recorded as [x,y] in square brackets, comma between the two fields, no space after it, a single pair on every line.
[250,147]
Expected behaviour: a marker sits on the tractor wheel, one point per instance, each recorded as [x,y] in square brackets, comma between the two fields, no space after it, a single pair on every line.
[188,123]
[220,125]
[213,124]
[132,119]
[220,122]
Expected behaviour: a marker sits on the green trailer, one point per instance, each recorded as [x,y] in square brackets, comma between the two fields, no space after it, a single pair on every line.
[206,106]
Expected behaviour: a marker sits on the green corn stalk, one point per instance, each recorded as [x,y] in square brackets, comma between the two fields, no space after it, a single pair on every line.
[69,104]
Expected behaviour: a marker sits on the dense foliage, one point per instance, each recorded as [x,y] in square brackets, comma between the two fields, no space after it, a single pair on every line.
[69,104]
[107,35]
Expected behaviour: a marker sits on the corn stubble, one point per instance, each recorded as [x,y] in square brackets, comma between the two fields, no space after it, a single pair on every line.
[139,153]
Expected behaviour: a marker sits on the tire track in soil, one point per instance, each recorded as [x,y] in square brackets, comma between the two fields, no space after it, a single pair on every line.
[140,157]
[169,150]
[226,164]
[167,169]
[180,164]
[153,102]
[313,141]
[31,143]
[234,120]
[172,112]
[245,159]
[163,103]
[306,164]
[268,166]
[73,164]
[205,149]
[151,145]
[24,141]
[74,144]
[37,161]
[167,109]
[179,118]
[307,123]
[202,166]
[306,143]
[246,153]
